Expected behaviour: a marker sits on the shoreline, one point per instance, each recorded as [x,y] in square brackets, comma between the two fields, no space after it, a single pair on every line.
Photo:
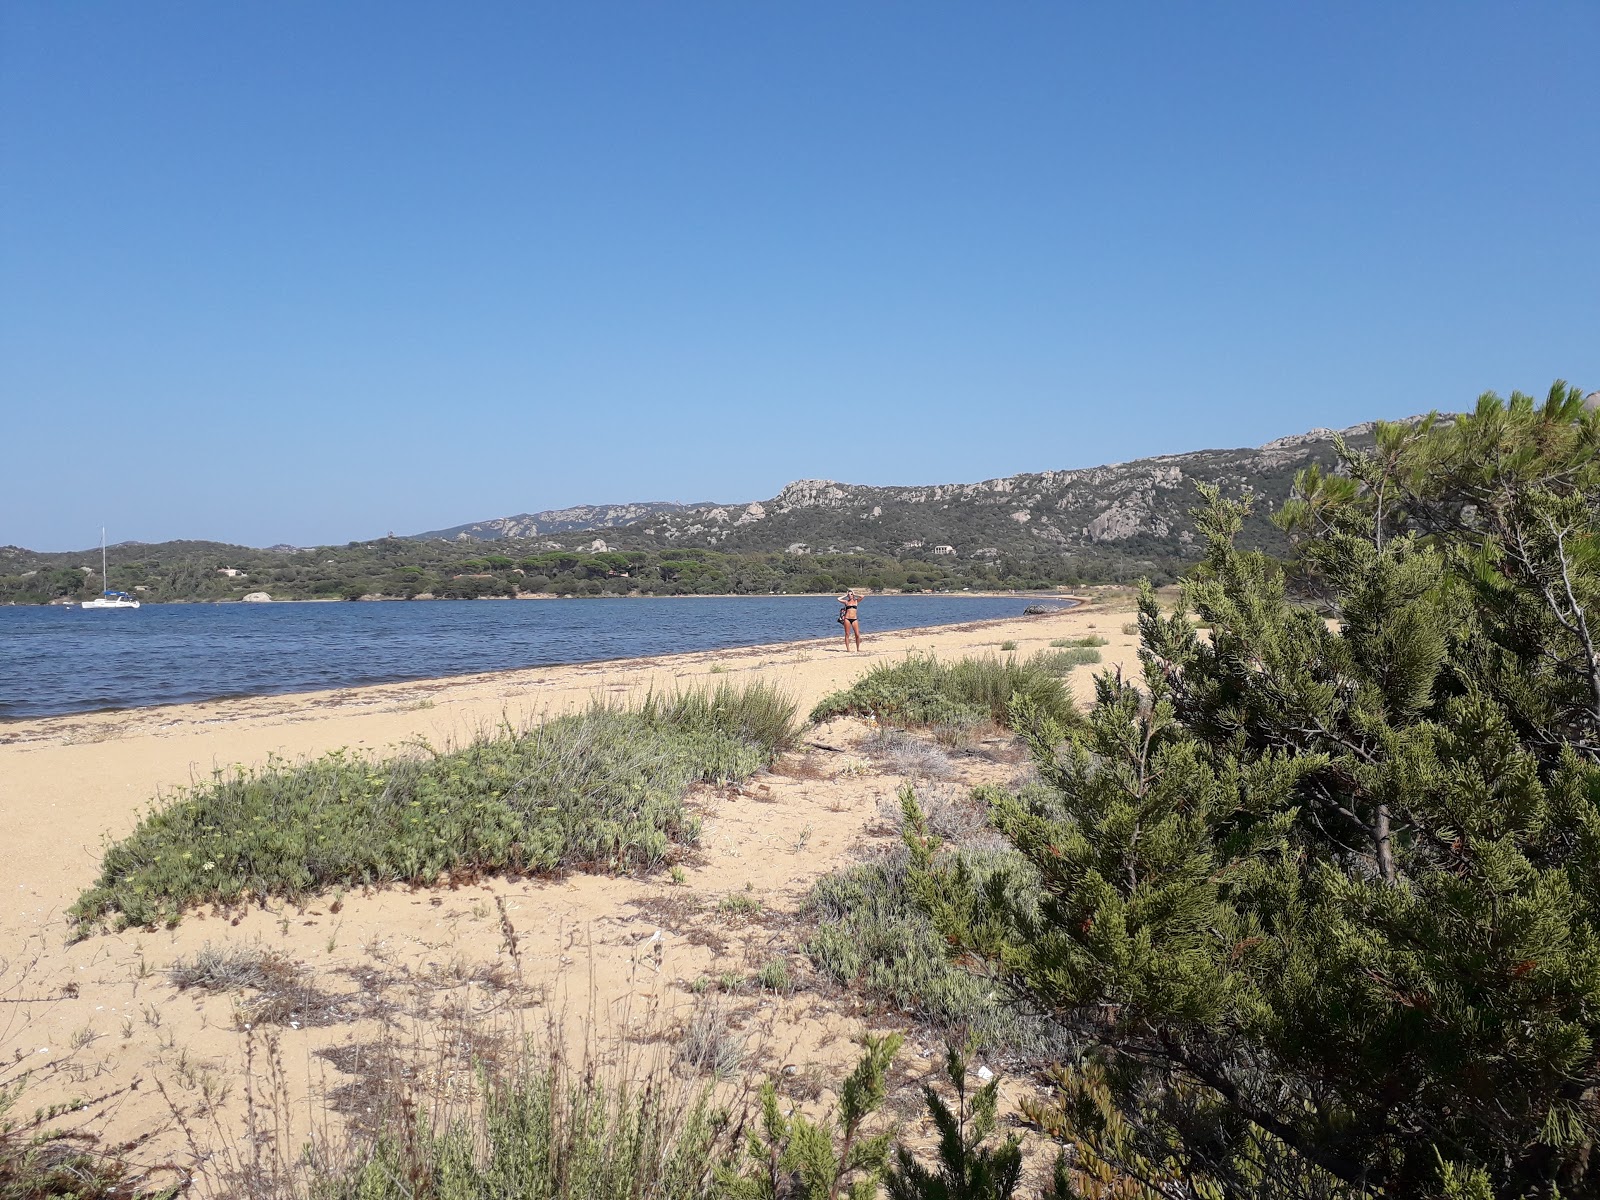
[1068,604]
[987,594]
[636,662]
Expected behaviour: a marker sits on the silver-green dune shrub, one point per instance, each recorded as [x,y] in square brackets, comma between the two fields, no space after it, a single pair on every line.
[600,790]
[922,690]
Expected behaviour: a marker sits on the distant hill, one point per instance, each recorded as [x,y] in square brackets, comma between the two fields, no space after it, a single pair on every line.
[559,520]
[1123,513]
[1112,523]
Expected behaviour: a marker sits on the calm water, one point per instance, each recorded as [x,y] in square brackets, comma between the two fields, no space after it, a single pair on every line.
[62,660]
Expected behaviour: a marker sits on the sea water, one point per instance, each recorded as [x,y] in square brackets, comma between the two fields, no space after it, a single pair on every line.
[64,660]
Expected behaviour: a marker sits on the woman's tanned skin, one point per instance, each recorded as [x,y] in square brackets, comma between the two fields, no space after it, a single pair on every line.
[852,623]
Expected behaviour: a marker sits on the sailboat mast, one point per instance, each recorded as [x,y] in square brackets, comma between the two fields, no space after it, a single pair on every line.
[105,579]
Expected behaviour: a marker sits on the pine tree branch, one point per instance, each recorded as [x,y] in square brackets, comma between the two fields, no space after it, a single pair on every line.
[1337,1165]
[1580,619]
[1380,834]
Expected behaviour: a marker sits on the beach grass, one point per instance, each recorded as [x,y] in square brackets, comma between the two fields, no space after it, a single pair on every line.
[758,714]
[546,1131]
[921,690]
[600,790]
[1059,662]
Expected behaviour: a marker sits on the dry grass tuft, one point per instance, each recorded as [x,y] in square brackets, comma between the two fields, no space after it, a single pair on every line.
[709,1044]
[909,755]
[284,993]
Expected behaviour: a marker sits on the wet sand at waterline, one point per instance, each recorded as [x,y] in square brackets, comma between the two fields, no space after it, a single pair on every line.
[611,954]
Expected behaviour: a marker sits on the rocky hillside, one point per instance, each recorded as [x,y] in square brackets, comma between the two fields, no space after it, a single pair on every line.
[1124,514]
[1096,525]
[559,520]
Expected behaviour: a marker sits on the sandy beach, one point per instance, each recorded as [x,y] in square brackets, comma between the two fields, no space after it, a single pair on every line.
[99,1017]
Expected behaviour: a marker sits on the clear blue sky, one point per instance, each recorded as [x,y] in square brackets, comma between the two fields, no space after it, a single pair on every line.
[309,272]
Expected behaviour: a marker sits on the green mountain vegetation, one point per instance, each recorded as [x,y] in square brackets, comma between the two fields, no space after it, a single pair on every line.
[1109,524]
[395,568]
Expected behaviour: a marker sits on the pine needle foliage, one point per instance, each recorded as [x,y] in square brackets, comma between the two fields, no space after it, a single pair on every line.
[969,1168]
[791,1157]
[1322,896]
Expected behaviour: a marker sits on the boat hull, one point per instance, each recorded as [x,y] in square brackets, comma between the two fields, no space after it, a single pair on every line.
[102,603]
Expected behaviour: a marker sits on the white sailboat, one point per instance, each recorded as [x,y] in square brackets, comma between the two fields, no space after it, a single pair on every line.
[108,598]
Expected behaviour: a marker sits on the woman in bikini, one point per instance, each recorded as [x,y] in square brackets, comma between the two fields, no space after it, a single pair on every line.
[851,600]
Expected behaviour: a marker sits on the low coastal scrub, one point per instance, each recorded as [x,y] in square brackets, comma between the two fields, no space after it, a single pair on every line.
[873,935]
[545,1132]
[921,690]
[874,939]
[604,1132]
[601,790]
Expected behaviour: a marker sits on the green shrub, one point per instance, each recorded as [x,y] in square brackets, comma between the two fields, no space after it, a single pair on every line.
[601,790]
[924,691]
[774,977]
[872,936]
[1094,639]
[1321,897]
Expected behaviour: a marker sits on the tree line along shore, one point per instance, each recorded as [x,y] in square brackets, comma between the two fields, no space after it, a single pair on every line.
[400,569]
